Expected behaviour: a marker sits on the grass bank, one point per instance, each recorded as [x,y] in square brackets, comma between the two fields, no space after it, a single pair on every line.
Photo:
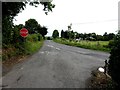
[27,47]
[94,45]
[32,47]
[17,52]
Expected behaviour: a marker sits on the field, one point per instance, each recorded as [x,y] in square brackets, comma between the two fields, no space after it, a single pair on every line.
[95,45]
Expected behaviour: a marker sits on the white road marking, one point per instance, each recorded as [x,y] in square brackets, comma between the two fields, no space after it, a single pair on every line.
[58,48]
[53,47]
[42,52]
[50,46]
[21,68]
[82,52]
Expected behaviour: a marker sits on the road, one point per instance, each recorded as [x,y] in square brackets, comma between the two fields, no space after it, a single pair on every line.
[55,66]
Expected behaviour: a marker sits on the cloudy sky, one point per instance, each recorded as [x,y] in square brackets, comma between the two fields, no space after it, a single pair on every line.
[86,16]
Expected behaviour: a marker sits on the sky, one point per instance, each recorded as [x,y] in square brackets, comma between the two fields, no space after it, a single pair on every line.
[86,16]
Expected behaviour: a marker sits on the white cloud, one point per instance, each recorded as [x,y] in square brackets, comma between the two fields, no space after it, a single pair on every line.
[85,15]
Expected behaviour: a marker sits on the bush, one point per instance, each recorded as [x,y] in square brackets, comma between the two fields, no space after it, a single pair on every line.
[114,60]
[32,47]
[111,44]
[34,37]
[49,38]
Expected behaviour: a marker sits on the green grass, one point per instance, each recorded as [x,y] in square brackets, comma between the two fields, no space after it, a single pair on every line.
[94,45]
[29,48]
[32,47]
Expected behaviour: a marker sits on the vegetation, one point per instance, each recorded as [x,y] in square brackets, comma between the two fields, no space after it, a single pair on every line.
[114,60]
[12,43]
[87,36]
[95,45]
[100,80]
[10,10]
[55,34]
[33,44]
[30,45]
[33,27]
[86,40]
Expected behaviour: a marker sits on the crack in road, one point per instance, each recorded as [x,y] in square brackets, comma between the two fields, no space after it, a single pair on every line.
[19,78]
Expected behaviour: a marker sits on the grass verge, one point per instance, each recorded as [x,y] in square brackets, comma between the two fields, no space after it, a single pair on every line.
[32,47]
[94,45]
[13,55]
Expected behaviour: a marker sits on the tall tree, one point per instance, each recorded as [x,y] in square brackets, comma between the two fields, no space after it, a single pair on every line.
[39,27]
[111,36]
[71,35]
[94,36]
[105,36]
[43,31]
[62,34]
[55,34]
[31,25]
[10,10]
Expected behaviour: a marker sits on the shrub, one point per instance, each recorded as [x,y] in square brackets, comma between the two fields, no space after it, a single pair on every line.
[114,60]
[49,38]
[111,44]
[34,37]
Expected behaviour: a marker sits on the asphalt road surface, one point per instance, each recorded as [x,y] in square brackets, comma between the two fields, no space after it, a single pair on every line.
[55,66]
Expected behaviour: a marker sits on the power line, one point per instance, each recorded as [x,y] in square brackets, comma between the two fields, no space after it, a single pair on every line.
[97,21]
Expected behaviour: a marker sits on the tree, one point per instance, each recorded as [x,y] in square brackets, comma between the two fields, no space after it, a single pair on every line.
[114,60]
[99,37]
[43,31]
[81,36]
[62,34]
[31,25]
[10,10]
[39,27]
[85,35]
[94,36]
[71,34]
[16,33]
[105,37]
[66,34]
[76,35]
[55,34]
[7,27]
[111,36]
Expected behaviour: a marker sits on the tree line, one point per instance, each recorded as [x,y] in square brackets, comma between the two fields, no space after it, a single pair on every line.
[83,36]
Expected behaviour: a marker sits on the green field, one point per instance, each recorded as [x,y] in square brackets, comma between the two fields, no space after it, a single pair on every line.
[95,45]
